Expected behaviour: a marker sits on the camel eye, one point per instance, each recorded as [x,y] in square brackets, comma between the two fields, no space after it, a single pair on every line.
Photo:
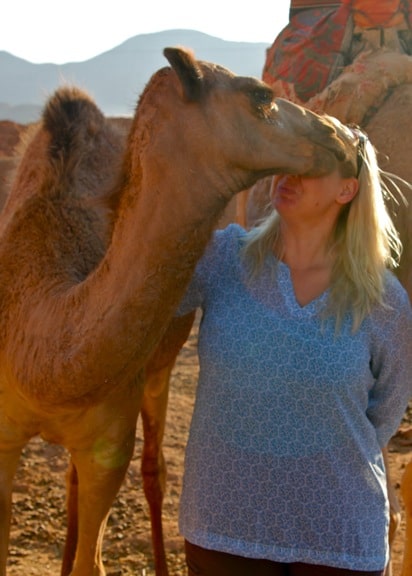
[262,96]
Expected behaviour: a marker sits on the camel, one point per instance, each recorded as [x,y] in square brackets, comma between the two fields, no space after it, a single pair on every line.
[98,243]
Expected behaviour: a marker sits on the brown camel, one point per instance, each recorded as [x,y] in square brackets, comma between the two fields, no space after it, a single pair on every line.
[97,247]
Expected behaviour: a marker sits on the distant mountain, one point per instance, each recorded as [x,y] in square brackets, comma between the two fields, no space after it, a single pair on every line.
[117,77]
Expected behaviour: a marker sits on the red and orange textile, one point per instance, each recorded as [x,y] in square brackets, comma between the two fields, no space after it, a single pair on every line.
[373,14]
[312,49]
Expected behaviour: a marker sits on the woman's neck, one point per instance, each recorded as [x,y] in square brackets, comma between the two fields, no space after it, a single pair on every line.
[310,260]
[305,249]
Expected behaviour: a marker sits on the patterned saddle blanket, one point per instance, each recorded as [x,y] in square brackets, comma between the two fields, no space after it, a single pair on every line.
[324,37]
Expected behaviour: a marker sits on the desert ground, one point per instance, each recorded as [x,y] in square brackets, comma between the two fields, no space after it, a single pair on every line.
[38,523]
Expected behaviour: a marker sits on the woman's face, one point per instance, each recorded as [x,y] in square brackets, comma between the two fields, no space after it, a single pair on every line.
[308,199]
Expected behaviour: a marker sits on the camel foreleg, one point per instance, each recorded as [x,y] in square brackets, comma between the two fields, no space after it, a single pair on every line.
[72,500]
[154,407]
[100,477]
[101,447]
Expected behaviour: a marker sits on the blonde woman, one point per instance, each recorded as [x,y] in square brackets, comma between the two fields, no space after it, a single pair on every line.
[305,372]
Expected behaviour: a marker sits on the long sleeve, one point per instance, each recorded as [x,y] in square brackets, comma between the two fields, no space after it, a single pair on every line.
[391,365]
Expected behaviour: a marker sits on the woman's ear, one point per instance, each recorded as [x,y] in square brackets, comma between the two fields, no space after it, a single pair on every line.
[348,191]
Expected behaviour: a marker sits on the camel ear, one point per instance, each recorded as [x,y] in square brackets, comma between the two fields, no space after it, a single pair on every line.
[186,67]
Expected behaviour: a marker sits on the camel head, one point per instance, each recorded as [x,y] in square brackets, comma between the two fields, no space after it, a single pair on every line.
[243,124]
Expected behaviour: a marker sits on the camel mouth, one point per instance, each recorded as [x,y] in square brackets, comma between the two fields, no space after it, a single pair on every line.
[324,131]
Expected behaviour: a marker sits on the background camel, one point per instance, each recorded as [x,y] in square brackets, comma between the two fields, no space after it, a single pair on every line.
[96,249]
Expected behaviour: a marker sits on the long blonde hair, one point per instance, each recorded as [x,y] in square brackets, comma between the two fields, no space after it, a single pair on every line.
[365,240]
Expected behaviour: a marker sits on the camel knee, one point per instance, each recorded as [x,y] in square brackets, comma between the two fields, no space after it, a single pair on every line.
[154,477]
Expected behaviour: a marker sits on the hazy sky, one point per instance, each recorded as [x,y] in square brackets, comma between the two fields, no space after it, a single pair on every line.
[76,30]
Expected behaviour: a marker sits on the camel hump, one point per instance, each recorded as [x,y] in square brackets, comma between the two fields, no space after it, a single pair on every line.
[70,117]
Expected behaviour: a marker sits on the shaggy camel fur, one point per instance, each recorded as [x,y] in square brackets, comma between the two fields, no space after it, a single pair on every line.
[375,92]
[87,294]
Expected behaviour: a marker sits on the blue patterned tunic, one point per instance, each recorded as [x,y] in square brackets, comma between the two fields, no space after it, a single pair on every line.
[284,454]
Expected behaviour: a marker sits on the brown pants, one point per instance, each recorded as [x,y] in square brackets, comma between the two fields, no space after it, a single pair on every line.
[202,562]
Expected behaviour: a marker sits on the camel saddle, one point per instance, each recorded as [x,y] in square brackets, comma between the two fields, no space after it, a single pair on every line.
[324,36]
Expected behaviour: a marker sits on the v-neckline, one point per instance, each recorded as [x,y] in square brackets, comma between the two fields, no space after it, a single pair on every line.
[288,292]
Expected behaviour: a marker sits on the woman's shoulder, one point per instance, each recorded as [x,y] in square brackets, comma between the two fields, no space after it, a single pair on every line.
[222,249]
[396,307]
[227,240]
[232,233]
[396,296]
